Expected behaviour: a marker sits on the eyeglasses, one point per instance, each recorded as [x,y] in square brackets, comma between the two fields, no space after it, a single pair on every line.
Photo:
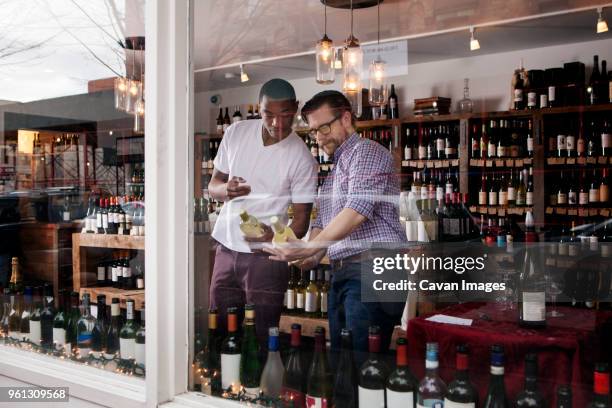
[324,129]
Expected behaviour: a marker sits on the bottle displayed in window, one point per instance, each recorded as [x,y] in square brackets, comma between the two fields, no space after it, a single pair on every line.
[46,318]
[461,392]
[319,381]
[250,366]
[564,396]
[274,370]
[496,393]
[294,378]
[373,373]
[312,296]
[346,379]
[101,326]
[35,326]
[127,337]
[432,389]
[85,326]
[401,385]
[230,354]
[26,313]
[530,396]
[601,386]
[140,346]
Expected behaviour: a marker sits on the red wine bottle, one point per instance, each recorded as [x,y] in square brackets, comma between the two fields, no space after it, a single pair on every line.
[461,392]
[530,396]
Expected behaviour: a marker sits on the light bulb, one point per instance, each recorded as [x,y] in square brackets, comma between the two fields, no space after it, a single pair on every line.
[474,44]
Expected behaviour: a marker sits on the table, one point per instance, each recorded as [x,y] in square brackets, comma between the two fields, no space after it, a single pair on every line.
[567,348]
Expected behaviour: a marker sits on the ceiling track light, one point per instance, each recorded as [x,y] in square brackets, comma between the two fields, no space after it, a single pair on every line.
[474,43]
[243,75]
[602,25]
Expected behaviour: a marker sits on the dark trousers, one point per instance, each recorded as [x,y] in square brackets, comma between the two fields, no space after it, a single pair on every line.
[346,310]
[241,278]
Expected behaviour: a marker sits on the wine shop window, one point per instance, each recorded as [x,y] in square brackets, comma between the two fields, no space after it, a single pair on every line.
[517,182]
[72,198]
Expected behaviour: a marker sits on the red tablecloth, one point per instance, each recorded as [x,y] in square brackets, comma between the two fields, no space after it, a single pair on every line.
[567,347]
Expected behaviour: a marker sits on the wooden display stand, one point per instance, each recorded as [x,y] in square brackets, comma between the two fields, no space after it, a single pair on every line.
[83,280]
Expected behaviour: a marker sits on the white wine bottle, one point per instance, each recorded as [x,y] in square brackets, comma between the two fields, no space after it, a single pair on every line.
[250,226]
[282,233]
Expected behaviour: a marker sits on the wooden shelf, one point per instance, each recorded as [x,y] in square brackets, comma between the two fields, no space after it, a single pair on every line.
[308,324]
[438,164]
[365,124]
[491,163]
[576,109]
[138,296]
[578,211]
[434,118]
[499,210]
[108,241]
[561,161]
[208,136]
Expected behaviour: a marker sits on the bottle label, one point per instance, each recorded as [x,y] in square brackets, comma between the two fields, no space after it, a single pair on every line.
[449,189]
[422,152]
[570,142]
[534,306]
[561,198]
[518,95]
[493,198]
[127,348]
[415,189]
[300,300]
[561,142]
[440,144]
[529,198]
[501,151]
[99,220]
[140,283]
[606,140]
[562,248]
[530,144]
[580,146]
[605,250]
[451,404]
[59,338]
[552,91]
[84,340]
[290,299]
[311,302]
[593,195]
[511,194]
[316,402]
[439,193]
[604,193]
[454,226]
[503,198]
[323,302]
[573,250]
[139,354]
[583,198]
[35,332]
[396,399]
[431,403]
[491,150]
[572,198]
[449,151]
[101,273]
[424,192]
[230,371]
[482,198]
[105,221]
[371,398]
[543,101]
[531,99]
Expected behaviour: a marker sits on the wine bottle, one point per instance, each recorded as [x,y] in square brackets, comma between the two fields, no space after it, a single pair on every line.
[324,294]
[373,374]
[496,393]
[127,336]
[112,335]
[564,396]
[282,233]
[35,328]
[606,139]
[530,396]
[294,378]
[312,295]
[461,393]
[26,312]
[250,226]
[15,284]
[300,293]
[532,291]
[209,359]
[401,384]
[604,188]
[518,91]
[98,334]
[230,354]
[220,121]
[601,387]
[139,348]
[274,370]
[46,318]
[60,321]
[593,88]
[226,119]
[14,318]
[85,326]
[250,366]
[346,380]
[237,116]
[393,104]
[319,388]
[432,389]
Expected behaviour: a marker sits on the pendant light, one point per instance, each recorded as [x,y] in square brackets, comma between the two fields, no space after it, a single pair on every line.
[352,63]
[377,89]
[602,25]
[474,43]
[325,57]
[139,105]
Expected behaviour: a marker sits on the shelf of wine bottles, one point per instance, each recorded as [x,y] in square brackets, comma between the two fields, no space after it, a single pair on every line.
[123,295]
[108,241]
[499,163]
[499,210]
[306,294]
[430,141]
[436,164]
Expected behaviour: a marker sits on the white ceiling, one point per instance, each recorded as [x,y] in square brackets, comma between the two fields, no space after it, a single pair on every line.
[266,28]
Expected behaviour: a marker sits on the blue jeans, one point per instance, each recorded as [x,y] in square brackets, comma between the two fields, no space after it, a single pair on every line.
[346,310]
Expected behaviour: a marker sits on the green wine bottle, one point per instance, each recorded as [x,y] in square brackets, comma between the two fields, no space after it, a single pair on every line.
[250,366]
[98,341]
[127,337]
[59,322]
[46,318]
[319,388]
[35,328]
[112,335]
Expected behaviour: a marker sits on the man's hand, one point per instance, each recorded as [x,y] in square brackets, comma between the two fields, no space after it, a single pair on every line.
[310,262]
[236,187]
[256,244]
[293,250]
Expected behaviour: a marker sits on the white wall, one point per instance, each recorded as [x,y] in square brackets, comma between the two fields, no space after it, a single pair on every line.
[489,74]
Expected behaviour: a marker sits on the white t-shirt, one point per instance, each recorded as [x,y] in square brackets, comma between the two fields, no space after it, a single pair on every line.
[279,174]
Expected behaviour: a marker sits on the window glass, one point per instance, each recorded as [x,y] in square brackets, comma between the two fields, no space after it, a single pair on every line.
[72,181]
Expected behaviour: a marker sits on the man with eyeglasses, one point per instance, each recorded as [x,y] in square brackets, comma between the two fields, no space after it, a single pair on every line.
[356,208]
[262,166]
